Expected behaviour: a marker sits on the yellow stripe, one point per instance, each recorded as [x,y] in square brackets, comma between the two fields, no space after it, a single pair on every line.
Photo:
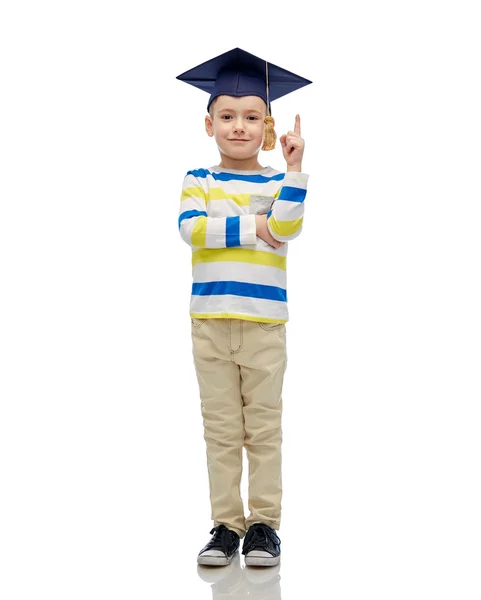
[215,193]
[254,257]
[199,232]
[194,191]
[285,228]
[234,316]
[219,194]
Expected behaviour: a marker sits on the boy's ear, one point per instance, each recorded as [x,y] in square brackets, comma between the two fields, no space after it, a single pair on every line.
[209,126]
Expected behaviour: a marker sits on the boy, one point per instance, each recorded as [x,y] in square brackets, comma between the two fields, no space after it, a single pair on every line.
[237,217]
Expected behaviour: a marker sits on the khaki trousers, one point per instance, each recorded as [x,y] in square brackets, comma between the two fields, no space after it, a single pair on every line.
[240,369]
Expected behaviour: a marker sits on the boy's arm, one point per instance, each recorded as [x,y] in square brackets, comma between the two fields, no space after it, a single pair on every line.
[200,231]
[285,218]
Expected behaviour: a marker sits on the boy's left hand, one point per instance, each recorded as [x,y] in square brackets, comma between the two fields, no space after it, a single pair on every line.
[293,146]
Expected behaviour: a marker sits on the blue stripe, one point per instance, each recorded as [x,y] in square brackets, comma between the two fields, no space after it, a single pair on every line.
[235,176]
[191,213]
[198,173]
[293,194]
[232,231]
[269,213]
[239,288]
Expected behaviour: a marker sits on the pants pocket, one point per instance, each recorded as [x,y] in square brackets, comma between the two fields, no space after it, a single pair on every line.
[270,326]
[197,323]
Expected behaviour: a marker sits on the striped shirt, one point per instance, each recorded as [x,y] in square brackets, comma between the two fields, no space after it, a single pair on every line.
[235,273]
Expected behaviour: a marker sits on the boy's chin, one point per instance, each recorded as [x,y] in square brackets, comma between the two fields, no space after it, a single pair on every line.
[239,153]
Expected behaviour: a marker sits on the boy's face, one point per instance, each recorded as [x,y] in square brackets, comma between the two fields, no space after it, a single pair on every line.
[237,125]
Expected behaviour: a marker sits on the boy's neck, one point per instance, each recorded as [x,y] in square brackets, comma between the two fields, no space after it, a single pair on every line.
[249,164]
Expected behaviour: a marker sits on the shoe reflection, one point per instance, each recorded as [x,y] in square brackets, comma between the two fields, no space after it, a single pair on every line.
[236,582]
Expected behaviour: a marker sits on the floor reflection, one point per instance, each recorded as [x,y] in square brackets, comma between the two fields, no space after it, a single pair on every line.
[236,581]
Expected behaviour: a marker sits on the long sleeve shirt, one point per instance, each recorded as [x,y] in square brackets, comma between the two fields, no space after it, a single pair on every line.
[235,273]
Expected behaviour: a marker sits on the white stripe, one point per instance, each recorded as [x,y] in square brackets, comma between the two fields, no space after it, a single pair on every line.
[215,233]
[244,272]
[248,238]
[294,179]
[192,204]
[226,208]
[255,307]
[286,210]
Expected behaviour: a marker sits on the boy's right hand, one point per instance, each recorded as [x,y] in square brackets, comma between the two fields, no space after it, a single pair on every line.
[263,232]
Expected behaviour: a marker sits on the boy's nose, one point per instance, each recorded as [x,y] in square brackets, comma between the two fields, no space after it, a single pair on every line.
[239,125]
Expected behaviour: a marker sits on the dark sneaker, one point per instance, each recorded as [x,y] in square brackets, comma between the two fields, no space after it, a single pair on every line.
[262,547]
[221,548]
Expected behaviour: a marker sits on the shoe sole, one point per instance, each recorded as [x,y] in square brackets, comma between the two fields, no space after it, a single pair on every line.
[262,561]
[215,561]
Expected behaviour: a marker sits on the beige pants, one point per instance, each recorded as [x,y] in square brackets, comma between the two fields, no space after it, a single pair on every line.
[240,368]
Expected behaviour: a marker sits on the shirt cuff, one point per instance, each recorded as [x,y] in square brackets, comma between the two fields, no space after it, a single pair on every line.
[248,230]
[293,177]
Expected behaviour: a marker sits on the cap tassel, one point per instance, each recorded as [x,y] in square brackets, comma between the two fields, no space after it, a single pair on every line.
[270,136]
[269,133]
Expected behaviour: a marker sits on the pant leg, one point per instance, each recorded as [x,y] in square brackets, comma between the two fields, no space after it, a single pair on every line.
[263,361]
[221,405]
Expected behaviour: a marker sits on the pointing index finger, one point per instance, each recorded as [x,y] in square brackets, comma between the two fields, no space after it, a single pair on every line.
[297,125]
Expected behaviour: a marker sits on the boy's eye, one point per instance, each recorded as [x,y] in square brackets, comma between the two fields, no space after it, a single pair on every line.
[229,117]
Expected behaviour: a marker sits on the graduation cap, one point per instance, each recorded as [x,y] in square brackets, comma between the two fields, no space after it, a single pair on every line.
[239,73]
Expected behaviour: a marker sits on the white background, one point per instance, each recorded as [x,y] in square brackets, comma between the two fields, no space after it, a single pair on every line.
[104,490]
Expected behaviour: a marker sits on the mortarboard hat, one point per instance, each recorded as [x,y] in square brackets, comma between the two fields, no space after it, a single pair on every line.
[238,73]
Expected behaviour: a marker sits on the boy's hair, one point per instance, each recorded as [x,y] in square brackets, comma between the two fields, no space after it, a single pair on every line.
[211,107]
